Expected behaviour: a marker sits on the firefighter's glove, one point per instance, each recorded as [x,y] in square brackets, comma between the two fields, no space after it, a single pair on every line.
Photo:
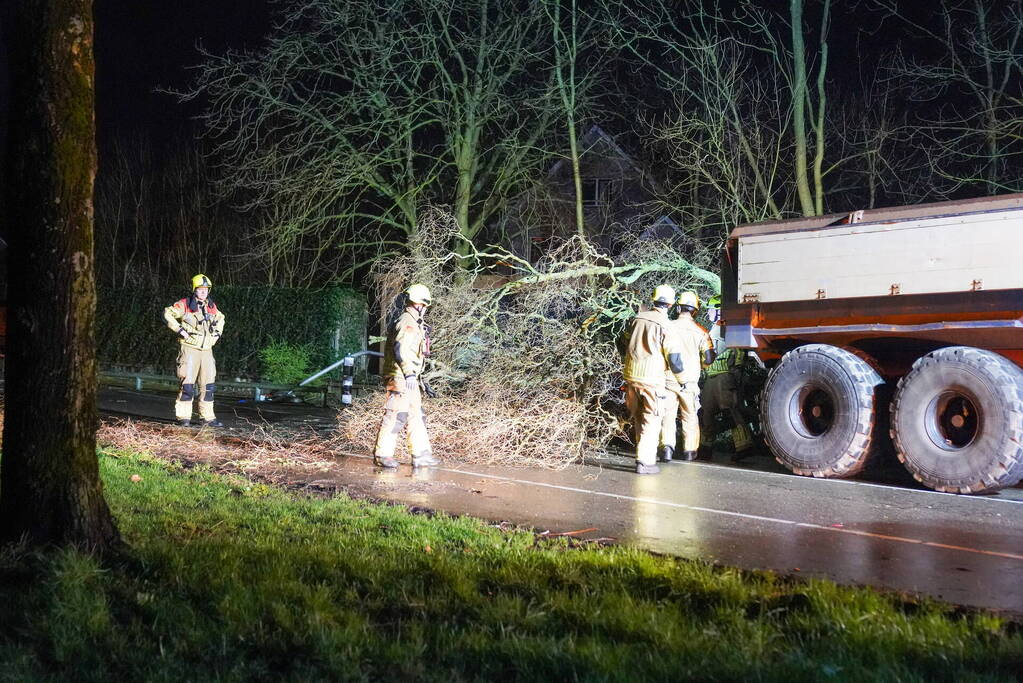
[183,332]
[411,382]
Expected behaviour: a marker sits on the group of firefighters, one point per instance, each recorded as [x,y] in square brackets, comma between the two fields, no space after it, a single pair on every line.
[663,359]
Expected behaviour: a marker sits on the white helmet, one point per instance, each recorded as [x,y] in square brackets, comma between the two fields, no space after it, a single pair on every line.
[418,294]
[689,299]
[663,294]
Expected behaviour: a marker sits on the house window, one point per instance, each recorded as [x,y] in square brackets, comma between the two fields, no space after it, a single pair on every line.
[598,191]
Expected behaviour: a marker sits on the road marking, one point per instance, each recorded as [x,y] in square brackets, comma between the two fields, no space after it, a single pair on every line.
[731,513]
[852,482]
[744,515]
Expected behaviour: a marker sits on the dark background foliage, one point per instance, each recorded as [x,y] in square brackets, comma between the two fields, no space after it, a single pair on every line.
[130,330]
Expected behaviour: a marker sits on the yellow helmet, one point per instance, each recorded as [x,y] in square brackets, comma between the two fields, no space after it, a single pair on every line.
[418,294]
[663,294]
[715,301]
[201,280]
[689,299]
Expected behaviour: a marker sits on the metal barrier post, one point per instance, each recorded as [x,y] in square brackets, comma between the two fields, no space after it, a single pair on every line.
[347,380]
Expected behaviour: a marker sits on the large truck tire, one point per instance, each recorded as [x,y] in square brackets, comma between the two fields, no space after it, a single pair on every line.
[957,420]
[818,411]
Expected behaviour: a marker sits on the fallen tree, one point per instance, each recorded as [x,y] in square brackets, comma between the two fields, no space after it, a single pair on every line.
[523,354]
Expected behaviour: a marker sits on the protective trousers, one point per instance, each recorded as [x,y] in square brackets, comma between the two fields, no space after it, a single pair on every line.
[686,401]
[197,372]
[403,409]
[720,393]
[645,406]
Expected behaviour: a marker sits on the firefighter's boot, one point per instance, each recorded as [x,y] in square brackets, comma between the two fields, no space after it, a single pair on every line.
[665,453]
[425,459]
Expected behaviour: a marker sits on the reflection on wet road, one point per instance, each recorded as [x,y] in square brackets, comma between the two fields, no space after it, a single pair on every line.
[966,550]
[962,549]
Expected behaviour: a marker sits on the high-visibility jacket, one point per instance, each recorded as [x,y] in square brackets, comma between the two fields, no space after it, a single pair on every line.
[650,349]
[695,342]
[408,345]
[727,359]
[202,320]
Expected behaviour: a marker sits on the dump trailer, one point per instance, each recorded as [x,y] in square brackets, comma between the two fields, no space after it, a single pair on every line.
[887,329]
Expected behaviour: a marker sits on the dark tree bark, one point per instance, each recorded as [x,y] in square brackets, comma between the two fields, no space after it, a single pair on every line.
[50,491]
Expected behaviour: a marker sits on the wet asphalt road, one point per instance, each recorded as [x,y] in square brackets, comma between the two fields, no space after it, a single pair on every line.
[962,549]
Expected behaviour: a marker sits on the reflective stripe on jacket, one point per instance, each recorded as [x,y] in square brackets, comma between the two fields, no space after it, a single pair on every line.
[408,345]
[727,358]
[695,342]
[203,322]
[650,349]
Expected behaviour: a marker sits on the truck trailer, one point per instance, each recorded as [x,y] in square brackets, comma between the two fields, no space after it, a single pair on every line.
[887,329]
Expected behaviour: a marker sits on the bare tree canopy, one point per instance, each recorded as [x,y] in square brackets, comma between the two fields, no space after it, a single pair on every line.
[967,93]
[357,114]
[51,491]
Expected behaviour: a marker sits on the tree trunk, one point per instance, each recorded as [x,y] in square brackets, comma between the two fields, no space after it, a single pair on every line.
[799,92]
[567,91]
[50,490]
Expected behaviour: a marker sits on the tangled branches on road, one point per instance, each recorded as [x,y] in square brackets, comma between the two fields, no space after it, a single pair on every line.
[524,353]
[492,427]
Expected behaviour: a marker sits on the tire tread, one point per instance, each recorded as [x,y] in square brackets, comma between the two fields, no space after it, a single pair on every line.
[1009,382]
[862,449]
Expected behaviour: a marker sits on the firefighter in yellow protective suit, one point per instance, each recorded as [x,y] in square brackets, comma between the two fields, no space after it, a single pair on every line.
[198,323]
[684,389]
[649,351]
[408,345]
[721,392]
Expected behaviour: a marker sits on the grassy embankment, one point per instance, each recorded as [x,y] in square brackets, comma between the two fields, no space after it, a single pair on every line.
[227,580]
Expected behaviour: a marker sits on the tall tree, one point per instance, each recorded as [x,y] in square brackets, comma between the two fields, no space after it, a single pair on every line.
[50,490]
[750,133]
[806,109]
[572,37]
[968,86]
[357,114]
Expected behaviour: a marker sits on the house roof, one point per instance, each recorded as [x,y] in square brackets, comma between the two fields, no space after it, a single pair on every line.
[659,226]
[596,135]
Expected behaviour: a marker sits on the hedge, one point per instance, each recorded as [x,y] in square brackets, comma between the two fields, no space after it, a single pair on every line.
[330,322]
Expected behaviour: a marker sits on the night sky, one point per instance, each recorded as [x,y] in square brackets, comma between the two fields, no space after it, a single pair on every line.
[142,45]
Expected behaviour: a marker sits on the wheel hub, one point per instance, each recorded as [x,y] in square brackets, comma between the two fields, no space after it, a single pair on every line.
[812,411]
[953,421]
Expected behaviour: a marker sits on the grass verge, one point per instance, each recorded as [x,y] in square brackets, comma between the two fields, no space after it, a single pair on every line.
[229,580]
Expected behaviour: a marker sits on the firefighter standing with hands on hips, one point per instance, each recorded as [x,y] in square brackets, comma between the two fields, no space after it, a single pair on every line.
[408,345]
[198,323]
[650,349]
[684,389]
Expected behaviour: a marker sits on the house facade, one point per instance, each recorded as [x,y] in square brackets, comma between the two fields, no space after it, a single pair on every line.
[619,199]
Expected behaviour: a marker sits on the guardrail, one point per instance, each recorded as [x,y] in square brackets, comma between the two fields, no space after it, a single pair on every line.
[258,390]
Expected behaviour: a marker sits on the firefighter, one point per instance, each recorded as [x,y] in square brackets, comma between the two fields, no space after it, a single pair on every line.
[408,345]
[198,323]
[722,391]
[684,390]
[649,351]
